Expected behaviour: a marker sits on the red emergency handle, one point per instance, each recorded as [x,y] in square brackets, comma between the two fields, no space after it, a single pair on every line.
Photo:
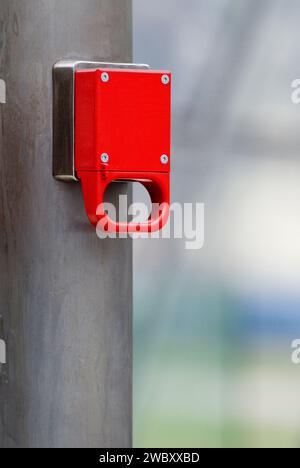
[95,183]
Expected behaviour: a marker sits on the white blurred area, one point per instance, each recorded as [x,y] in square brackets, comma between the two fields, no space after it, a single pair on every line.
[256,227]
[213,327]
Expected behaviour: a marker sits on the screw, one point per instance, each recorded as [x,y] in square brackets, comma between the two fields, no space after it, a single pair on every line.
[164,159]
[105,77]
[104,157]
[165,79]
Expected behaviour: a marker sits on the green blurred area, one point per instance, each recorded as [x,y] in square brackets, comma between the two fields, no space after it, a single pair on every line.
[178,432]
[201,380]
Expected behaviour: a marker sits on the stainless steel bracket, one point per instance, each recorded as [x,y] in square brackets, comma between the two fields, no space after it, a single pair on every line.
[63,113]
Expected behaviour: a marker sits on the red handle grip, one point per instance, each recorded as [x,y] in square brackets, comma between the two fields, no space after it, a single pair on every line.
[95,183]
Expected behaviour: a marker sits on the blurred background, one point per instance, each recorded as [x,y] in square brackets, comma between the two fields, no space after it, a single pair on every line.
[213,327]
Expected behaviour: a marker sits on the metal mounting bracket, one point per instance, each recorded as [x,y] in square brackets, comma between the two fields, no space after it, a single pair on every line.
[63,113]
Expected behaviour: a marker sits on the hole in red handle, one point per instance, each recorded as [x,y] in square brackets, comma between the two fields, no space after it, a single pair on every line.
[138,200]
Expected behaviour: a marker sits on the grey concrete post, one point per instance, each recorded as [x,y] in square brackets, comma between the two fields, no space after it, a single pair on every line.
[65,295]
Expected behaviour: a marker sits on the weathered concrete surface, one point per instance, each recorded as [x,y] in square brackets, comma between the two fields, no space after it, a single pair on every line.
[65,296]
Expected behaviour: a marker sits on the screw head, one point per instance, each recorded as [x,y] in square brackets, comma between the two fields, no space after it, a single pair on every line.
[104,157]
[165,79]
[164,159]
[105,77]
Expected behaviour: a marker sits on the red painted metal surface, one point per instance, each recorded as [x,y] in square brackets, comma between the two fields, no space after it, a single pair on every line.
[127,117]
